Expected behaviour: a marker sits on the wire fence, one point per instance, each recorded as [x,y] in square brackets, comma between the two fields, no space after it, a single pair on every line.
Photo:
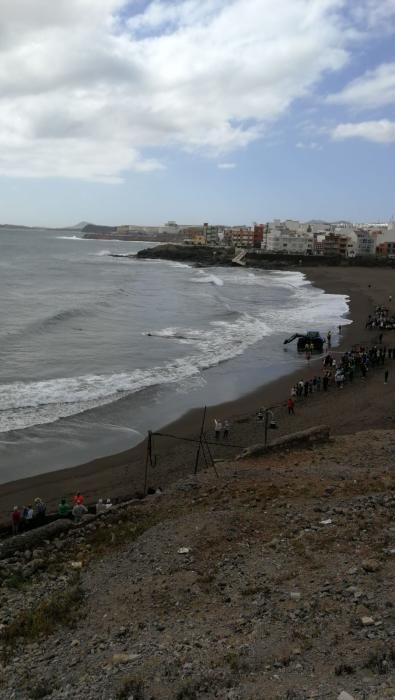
[169,454]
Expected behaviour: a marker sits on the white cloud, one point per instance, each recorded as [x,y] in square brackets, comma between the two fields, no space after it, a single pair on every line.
[84,93]
[376,88]
[227,166]
[380,131]
[374,14]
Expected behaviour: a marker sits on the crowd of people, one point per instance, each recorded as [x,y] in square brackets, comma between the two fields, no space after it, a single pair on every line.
[31,516]
[338,372]
[382,318]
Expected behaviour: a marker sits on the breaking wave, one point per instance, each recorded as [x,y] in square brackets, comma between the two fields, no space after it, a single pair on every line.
[71,238]
[208,279]
[105,252]
[30,403]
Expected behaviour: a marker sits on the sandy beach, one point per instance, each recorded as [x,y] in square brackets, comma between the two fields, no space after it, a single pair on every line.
[362,406]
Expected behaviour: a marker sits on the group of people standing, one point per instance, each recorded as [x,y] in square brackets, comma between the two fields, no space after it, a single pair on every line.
[79,509]
[382,318]
[356,361]
[221,429]
[28,517]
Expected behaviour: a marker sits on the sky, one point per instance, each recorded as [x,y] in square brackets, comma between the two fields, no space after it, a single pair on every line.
[227,111]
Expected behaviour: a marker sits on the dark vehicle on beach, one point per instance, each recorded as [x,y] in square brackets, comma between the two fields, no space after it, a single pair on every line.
[311,338]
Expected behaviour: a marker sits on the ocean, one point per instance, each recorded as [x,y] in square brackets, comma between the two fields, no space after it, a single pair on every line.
[96,350]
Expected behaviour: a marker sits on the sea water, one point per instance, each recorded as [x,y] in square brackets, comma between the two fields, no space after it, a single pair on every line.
[95,350]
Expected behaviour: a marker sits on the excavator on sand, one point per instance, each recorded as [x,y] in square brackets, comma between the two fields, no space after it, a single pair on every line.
[311,338]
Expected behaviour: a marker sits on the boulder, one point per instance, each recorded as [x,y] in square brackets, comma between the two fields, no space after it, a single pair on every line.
[367,621]
[30,539]
[123,658]
[370,565]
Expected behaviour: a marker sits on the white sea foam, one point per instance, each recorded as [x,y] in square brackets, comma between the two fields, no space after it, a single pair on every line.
[208,279]
[173,263]
[264,279]
[305,309]
[71,238]
[26,404]
[154,261]
[184,335]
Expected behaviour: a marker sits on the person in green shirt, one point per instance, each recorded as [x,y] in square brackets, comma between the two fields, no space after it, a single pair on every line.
[64,508]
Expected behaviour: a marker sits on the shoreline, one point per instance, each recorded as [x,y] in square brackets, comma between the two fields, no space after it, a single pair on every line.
[122,474]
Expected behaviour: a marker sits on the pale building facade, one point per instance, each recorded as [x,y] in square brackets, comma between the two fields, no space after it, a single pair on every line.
[291,242]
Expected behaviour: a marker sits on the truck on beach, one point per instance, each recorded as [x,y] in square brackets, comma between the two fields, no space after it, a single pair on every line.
[310,340]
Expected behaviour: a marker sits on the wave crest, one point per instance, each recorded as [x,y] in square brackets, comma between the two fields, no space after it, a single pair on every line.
[32,403]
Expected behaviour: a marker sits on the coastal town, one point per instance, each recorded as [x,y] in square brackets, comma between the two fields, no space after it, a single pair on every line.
[289,236]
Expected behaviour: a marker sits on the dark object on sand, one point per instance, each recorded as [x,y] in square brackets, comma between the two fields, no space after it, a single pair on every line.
[311,338]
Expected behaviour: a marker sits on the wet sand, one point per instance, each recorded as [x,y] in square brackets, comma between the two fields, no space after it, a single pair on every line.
[361,406]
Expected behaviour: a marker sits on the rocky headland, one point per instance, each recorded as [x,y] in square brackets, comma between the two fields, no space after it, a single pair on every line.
[214,255]
[202,255]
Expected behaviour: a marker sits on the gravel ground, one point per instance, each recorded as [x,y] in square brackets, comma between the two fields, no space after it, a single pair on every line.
[273,581]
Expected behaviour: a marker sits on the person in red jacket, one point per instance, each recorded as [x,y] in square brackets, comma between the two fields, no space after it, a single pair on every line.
[78,499]
[291,405]
[15,520]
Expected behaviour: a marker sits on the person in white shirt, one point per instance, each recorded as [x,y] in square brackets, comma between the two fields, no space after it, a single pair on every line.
[217,428]
[100,506]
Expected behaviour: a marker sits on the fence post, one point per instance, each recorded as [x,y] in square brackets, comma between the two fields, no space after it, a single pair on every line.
[200,440]
[266,425]
[147,460]
[268,413]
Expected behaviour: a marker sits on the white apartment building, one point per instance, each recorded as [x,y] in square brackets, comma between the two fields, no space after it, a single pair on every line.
[291,242]
[366,243]
[293,225]
[359,242]
[319,226]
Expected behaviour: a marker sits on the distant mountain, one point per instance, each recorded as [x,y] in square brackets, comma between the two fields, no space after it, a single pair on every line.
[79,227]
[13,226]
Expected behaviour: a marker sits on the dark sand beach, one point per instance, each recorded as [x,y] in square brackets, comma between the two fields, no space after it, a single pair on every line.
[362,406]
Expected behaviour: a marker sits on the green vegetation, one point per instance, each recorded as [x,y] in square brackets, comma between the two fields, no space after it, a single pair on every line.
[16,582]
[62,608]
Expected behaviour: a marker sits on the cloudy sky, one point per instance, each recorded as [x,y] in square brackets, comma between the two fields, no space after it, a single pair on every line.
[230,111]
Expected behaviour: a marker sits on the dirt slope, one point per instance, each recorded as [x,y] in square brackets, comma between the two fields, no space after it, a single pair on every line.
[275,580]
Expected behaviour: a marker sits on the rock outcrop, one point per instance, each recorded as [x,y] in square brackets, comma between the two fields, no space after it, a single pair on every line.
[319,433]
[32,538]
